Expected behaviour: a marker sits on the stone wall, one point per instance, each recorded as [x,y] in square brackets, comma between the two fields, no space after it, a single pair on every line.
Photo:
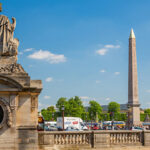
[125,139]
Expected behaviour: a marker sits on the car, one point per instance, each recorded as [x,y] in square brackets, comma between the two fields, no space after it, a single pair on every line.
[95,127]
[50,128]
[72,129]
[136,128]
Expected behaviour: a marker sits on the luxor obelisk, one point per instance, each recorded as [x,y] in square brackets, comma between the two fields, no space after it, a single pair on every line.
[133,101]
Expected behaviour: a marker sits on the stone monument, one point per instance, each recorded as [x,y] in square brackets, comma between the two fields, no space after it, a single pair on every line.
[18,95]
[133,100]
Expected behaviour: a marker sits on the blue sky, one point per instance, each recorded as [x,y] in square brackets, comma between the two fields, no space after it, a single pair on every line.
[80,47]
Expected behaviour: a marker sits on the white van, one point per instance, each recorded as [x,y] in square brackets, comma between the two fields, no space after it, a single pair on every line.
[74,122]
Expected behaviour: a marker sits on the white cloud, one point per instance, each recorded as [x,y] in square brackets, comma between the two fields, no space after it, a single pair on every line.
[28,49]
[117,73]
[48,56]
[47,97]
[106,48]
[112,46]
[102,51]
[49,79]
[107,99]
[102,71]
[98,81]
[84,97]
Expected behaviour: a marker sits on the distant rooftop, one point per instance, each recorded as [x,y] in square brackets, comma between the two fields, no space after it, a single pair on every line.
[123,107]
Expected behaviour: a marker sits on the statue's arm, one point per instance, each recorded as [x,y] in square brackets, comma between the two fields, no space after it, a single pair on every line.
[13,23]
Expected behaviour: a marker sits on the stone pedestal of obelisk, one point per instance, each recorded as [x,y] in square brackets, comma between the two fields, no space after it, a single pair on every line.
[133,101]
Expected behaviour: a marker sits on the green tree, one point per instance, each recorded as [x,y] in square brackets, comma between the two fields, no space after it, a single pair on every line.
[105,117]
[51,109]
[113,107]
[142,117]
[75,107]
[49,113]
[114,110]
[60,103]
[147,111]
[123,117]
[94,109]
[46,114]
[85,116]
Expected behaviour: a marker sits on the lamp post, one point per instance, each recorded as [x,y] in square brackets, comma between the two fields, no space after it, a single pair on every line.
[53,116]
[91,119]
[86,118]
[112,124]
[63,108]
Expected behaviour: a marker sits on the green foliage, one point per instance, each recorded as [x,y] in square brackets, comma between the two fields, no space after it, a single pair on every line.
[85,116]
[113,107]
[123,117]
[105,117]
[49,113]
[60,103]
[75,106]
[147,111]
[117,117]
[95,109]
[142,117]
[120,117]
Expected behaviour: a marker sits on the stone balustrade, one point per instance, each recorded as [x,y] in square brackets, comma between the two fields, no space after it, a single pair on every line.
[93,139]
[126,137]
[72,138]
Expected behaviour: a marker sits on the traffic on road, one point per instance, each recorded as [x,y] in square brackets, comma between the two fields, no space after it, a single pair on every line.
[77,124]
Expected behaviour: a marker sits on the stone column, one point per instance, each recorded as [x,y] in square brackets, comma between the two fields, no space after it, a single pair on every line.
[133,101]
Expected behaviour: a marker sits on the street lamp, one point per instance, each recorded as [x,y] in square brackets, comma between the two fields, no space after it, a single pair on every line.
[53,116]
[86,118]
[63,108]
[91,119]
[112,120]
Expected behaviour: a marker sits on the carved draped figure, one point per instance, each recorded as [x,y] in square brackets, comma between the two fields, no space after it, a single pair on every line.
[6,35]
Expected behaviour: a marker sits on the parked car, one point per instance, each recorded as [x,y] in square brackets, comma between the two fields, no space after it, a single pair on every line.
[136,128]
[72,129]
[95,127]
[50,128]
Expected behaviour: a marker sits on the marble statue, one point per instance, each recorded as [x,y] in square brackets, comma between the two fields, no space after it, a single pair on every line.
[8,44]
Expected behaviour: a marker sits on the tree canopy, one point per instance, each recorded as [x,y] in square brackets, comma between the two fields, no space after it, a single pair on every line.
[94,110]
[147,111]
[49,113]
[73,107]
[113,107]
